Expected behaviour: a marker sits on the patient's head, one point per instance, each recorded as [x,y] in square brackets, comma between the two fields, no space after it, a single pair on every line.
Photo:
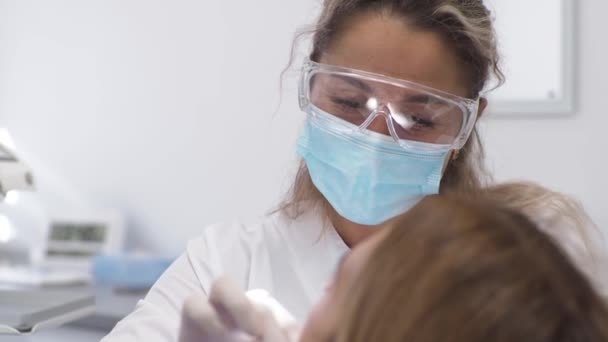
[458,270]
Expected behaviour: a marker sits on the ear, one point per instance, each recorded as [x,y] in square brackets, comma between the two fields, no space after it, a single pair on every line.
[483,104]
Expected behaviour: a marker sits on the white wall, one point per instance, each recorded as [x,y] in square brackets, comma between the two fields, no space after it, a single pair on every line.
[166,110]
[567,153]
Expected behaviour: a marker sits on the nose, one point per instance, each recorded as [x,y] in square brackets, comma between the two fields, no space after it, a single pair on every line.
[379,125]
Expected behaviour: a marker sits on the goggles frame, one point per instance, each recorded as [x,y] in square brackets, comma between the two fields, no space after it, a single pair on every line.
[469,107]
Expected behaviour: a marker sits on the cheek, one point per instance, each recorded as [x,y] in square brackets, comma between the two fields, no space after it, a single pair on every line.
[321,322]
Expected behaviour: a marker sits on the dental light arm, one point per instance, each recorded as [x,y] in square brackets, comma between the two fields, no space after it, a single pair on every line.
[14,174]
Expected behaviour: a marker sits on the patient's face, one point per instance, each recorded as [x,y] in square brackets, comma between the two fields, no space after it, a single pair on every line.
[321,323]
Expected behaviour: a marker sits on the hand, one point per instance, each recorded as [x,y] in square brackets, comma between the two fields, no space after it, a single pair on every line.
[228,315]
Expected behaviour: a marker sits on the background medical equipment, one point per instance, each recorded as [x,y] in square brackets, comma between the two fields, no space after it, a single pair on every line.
[22,218]
[27,311]
[14,174]
[72,240]
[131,272]
[76,237]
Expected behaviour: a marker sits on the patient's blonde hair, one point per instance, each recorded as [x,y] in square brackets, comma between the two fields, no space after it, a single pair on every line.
[563,218]
[456,269]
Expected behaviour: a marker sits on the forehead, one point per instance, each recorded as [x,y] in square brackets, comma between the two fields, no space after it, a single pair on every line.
[387,45]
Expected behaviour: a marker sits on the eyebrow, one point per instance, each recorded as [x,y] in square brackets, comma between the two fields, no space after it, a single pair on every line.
[353,81]
[419,98]
[363,86]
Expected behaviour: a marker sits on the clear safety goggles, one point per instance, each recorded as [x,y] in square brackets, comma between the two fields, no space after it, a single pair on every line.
[415,114]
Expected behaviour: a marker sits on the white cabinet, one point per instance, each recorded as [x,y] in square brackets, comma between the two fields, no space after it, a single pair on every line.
[537,42]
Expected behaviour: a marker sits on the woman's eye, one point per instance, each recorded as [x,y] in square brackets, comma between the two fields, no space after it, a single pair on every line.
[413,121]
[346,103]
[422,122]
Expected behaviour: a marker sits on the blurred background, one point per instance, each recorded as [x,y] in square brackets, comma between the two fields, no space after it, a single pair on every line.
[158,118]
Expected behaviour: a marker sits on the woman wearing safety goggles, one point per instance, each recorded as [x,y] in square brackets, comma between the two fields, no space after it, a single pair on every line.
[373,144]
[392,96]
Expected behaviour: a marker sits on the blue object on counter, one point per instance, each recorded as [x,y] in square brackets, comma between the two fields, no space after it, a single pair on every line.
[128,271]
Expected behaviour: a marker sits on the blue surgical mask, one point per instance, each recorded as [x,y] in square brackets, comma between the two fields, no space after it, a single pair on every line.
[366,176]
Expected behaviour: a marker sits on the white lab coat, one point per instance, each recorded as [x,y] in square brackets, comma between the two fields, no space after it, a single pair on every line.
[292,259]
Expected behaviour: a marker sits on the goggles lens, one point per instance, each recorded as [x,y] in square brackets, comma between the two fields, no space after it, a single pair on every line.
[411,112]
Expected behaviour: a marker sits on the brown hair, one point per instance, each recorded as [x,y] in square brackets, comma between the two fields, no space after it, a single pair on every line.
[468,270]
[465,25]
[561,217]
